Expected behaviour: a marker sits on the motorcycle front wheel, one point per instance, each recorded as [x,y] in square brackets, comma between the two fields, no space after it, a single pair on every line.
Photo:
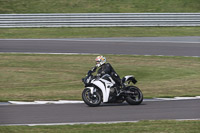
[90,99]
[134,95]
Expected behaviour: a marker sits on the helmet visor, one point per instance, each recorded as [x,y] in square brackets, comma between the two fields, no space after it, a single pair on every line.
[97,62]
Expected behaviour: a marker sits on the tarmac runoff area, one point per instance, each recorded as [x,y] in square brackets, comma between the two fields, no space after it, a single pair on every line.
[78,102]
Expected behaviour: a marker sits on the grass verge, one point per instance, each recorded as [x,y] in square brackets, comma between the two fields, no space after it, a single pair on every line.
[98,32]
[53,77]
[100,6]
[142,127]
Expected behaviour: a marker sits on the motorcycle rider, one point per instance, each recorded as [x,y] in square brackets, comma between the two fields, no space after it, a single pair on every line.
[106,68]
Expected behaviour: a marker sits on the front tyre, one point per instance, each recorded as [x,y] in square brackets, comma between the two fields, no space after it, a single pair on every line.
[134,95]
[91,100]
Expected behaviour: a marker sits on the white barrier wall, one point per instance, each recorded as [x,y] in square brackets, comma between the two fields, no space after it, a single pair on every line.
[99,19]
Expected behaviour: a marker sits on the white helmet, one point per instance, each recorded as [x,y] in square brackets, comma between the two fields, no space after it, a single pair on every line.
[100,60]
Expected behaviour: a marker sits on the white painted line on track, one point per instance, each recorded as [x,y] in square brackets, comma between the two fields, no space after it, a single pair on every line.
[78,102]
[58,102]
[73,123]
[179,98]
[21,102]
[183,98]
[45,102]
[50,53]
[99,40]
[87,123]
[87,54]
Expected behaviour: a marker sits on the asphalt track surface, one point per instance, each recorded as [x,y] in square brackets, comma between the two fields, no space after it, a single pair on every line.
[174,46]
[76,113]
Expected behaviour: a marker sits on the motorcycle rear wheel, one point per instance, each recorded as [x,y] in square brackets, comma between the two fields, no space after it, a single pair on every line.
[135,97]
[91,100]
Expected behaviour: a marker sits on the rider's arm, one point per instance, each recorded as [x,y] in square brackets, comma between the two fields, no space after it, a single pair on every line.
[93,69]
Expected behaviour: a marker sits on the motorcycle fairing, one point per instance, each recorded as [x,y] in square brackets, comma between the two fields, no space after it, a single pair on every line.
[104,85]
[129,78]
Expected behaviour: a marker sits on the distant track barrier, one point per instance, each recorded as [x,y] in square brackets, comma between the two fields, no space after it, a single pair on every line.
[99,19]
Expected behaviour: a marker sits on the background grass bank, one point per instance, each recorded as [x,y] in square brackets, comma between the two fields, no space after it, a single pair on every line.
[53,77]
[141,127]
[99,6]
[98,32]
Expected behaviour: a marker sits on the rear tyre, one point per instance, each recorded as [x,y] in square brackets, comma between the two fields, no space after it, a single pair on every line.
[134,95]
[90,99]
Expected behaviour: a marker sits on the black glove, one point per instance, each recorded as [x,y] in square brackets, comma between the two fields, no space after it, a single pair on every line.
[94,69]
[89,72]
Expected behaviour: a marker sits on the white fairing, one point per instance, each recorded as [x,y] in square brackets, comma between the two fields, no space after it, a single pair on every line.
[104,85]
[128,77]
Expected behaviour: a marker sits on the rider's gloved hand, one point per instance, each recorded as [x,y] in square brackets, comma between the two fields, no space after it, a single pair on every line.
[94,69]
[89,72]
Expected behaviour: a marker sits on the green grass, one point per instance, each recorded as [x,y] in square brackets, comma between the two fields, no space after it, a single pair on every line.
[53,77]
[98,32]
[98,6]
[141,127]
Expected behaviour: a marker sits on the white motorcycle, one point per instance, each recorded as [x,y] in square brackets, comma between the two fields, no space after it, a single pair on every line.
[103,89]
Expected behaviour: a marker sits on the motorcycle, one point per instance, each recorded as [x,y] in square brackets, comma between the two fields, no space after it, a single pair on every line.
[103,89]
